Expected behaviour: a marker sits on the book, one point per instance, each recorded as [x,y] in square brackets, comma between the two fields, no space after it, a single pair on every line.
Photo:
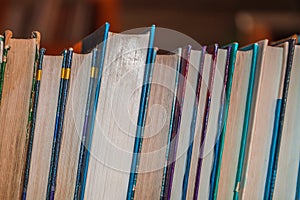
[195,145]
[216,114]
[81,71]
[214,51]
[158,123]
[122,80]
[36,91]
[15,114]
[288,45]
[288,158]
[172,144]
[238,112]
[43,131]
[215,176]
[95,42]
[58,128]
[267,83]
[185,129]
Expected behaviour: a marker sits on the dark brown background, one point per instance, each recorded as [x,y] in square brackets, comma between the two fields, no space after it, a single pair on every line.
[64,22]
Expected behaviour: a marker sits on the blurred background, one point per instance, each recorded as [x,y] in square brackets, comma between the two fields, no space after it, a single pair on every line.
[64,22]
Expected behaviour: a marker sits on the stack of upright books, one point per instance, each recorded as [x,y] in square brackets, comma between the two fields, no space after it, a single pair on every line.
[114,117]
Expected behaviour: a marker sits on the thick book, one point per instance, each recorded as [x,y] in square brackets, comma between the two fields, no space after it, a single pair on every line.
[15,112]
[267,83]
[288,158]
[50,77]
[158,122]
[237,120]
[112,147]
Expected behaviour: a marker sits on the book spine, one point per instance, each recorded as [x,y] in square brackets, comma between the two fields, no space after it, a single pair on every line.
[254,48]
[213,50]
[34,109]
[221,124]
[193,126]
[176,124]
[282,113]
[101,49]
[234,48]
[2,68]
[142,115]
[58,111]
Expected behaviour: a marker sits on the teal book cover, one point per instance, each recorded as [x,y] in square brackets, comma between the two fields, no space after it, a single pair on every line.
[254,47]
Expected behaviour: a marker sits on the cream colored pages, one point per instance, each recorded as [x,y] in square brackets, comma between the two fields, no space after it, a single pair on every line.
[289,155]
[44,128]
[73,126]
[116,117]
[212,125]
[261,129]
[153,154]
[235,121]
[199,123]
[14,112]
[185,124]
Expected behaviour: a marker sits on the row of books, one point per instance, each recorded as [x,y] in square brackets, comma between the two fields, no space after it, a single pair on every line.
[117,118]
